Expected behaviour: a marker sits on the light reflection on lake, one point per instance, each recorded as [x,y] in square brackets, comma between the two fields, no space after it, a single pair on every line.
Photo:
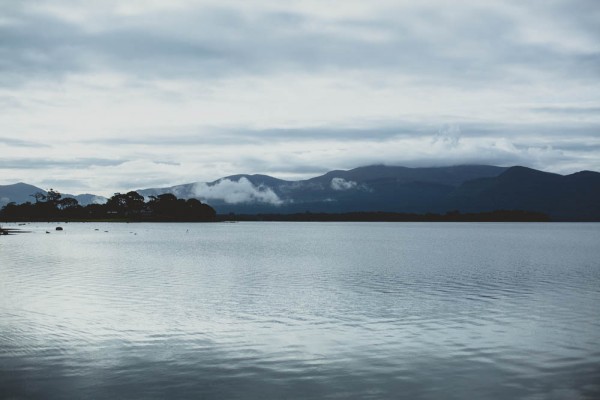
[301,310]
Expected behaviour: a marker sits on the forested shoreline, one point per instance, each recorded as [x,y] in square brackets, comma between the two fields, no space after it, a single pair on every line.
[130,206]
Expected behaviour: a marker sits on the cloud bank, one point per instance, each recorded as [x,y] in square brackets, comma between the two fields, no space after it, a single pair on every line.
[342,184]
[236,192]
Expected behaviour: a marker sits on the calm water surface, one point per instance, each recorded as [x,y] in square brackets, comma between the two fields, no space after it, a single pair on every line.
[301,310]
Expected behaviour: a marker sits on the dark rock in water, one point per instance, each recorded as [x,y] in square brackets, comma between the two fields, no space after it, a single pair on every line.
[59,228]
[4,231]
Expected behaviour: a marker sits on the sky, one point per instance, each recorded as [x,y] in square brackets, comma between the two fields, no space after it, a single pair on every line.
[113,95]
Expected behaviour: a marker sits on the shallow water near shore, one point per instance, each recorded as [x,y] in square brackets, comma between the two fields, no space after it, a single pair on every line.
[301,310]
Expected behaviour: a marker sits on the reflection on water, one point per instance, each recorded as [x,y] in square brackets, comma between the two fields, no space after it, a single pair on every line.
[301,310]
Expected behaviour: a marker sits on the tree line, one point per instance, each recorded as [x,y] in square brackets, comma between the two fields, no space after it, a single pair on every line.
[130,206]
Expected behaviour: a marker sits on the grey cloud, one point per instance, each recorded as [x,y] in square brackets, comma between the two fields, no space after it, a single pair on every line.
[39,47]
[140,181]
[447,132]
[376,133]
[282,167]
[57,183]
[20,143]
[579,146]
[567,110]
[235,136]
[582,15]
[167,163]
[175,139]
[444,132]
[540,130]
[9,103]
[540,157]
[475,46]
[40,163]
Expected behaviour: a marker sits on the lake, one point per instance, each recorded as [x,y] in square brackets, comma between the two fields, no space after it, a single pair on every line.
[301,310]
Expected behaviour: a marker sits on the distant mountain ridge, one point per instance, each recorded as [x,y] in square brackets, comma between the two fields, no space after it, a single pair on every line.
[463,188]
[370,188]
[569,197]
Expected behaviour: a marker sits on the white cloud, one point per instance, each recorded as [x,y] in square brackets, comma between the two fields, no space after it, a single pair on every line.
[342,184]
[236,192]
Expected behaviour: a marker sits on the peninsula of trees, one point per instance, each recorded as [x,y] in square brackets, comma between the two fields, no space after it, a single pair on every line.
[130,206]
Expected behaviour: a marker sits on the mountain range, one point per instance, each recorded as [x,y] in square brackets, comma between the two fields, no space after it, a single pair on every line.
[464,188]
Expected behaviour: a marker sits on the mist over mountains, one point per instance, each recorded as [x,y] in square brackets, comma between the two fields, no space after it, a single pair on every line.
[370,188]
[465,188]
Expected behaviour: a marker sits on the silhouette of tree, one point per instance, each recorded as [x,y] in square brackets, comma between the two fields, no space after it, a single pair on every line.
[130,203]
[168,207]
[67,203]
[130,206]
[52,196]
[163,204]
[134,202]
[116,203]
[38,196]
[196,209]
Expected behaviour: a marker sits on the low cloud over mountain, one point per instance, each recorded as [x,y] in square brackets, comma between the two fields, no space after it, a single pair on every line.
[236,192]
[342,184]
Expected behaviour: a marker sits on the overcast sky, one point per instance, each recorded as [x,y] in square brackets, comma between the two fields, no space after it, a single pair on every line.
[104,96]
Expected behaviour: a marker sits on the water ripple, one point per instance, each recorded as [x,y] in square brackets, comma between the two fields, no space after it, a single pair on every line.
[300,310]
